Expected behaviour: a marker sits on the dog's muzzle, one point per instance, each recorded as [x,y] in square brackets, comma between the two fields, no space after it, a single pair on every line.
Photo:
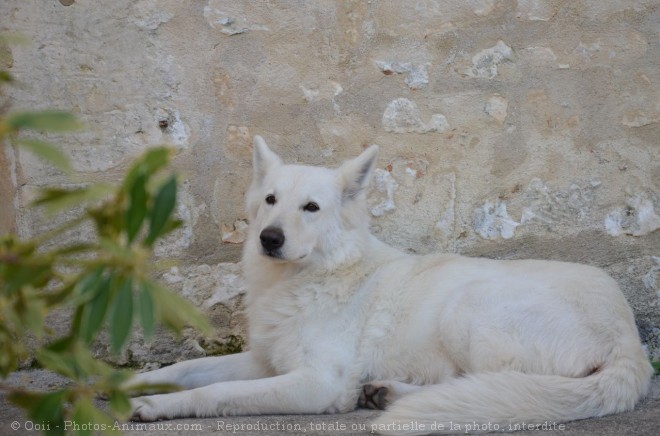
[272,239]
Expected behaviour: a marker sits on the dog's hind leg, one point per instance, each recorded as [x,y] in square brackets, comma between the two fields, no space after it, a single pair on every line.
[379,394]
[204,371]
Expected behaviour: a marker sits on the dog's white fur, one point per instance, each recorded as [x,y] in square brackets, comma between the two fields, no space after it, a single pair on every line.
[449,338]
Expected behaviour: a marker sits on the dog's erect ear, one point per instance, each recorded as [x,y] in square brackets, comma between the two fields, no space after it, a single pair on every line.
[355,174]
[263,158]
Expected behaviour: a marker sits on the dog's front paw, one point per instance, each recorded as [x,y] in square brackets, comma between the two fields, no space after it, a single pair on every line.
[144,410]
[373,397]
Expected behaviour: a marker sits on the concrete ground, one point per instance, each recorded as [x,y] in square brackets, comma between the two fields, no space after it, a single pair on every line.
[644,420]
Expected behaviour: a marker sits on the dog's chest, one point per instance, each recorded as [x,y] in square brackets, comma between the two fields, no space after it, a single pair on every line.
[291,329]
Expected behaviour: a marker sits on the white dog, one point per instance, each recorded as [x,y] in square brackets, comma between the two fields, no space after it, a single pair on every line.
[338,318]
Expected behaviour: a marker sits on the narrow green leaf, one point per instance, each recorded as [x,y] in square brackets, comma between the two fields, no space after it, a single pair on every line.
[49,409]
[8,39]
[21,275]
[75,324]
[87,287]
[120,404]
[152,388]
[5,77]
[147,311]
[117,253]
[60,362]
[156,159]
[99,417]
[152,161]
[57,199]
[35,311]
[83,415]
[61,345]
[48,152]
[86,364]
[24,399]
[11,355]
[164,203]
[74,249]
[50,120]
[122,315]
[94,312]
[137,208]
[117,378]
[177,312]
[170,226]
[49,195]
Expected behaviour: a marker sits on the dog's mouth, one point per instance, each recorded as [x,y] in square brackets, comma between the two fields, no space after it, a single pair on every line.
[273,254]
[278,256]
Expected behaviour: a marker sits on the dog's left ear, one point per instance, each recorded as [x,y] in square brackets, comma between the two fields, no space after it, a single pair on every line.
[355,174]
[263,159]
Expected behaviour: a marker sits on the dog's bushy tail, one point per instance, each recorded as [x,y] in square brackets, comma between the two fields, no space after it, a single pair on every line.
[506,400]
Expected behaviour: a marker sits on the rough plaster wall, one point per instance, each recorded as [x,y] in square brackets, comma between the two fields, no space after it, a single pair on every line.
[8,179]
[507,128]
[7,192]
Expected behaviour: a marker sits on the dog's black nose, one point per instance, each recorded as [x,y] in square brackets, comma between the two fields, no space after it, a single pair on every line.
[272,238]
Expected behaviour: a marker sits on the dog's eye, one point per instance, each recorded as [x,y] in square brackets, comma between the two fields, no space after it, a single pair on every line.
[311,207]
[270,199]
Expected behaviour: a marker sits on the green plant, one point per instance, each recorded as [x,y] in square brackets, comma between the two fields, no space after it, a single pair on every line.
[105,282]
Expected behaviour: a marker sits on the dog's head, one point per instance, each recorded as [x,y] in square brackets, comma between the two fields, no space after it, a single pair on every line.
[301,213]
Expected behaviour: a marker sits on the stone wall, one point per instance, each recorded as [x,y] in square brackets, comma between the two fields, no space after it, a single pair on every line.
[507,128]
